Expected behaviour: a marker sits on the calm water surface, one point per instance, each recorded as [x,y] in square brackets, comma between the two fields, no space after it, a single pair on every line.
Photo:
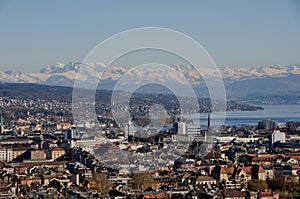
[279,113]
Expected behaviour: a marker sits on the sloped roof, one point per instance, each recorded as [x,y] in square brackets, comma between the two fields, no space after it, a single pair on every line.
[229,170]
[58,149]
[205,178]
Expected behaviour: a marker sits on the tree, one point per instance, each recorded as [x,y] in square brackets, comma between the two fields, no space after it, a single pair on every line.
[100,183]
[255,185]
[143,180]
[283,195]
[293,186]
[277,184]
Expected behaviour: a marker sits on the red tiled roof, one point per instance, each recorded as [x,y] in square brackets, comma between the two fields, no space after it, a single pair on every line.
[295,167]
[297,157]
[58,149]
[247,170]
[266,193]
[261,169]
[227,170]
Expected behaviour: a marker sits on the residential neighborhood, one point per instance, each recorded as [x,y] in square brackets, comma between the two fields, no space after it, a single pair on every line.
[149,99]
[44,156]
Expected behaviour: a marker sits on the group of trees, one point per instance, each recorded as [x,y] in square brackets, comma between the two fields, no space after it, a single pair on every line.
[278,185]
[256,185]
[143,180]
[100,182]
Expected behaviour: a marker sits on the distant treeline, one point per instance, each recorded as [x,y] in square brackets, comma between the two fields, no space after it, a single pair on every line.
[64,94]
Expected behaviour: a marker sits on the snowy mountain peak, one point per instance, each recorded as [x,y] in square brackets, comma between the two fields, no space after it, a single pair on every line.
[13,73]
[92,71]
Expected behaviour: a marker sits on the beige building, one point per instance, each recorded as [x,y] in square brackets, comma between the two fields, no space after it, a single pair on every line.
[56,153]
[204,180]
[64,126]
[37,155]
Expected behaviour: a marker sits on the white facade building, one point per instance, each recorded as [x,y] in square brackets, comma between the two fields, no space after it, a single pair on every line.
[182,128]
[5,155]
[193,130]
[89,143]
[276,136]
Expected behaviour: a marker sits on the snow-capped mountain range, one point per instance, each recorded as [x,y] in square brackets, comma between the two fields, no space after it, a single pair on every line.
[68,72]
[274,82]
[242,73]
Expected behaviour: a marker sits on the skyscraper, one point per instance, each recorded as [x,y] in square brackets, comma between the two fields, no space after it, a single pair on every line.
[267,124]
[181,128]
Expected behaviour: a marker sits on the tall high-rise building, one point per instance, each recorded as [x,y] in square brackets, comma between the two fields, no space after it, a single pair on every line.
[276,136]
[267,124]
[182,128]
[71,134]
[129,130]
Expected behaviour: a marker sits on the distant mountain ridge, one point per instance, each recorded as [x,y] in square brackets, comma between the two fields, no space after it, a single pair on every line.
[70,70]
[240,82]
[243,73]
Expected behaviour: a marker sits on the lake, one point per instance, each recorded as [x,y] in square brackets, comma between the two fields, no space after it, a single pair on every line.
[279,113]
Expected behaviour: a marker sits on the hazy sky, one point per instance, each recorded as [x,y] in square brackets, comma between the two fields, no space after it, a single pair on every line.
[36,33]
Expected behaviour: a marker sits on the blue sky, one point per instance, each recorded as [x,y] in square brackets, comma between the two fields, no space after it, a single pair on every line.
[235,33]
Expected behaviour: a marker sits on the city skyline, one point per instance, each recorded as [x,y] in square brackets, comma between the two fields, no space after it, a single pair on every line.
[36,34]
[152,99]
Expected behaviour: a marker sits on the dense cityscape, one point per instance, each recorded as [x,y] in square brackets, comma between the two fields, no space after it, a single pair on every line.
[45,154]
[149,99]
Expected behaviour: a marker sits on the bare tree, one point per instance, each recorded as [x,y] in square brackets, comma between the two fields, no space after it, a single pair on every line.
[100,183]
[143,180]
